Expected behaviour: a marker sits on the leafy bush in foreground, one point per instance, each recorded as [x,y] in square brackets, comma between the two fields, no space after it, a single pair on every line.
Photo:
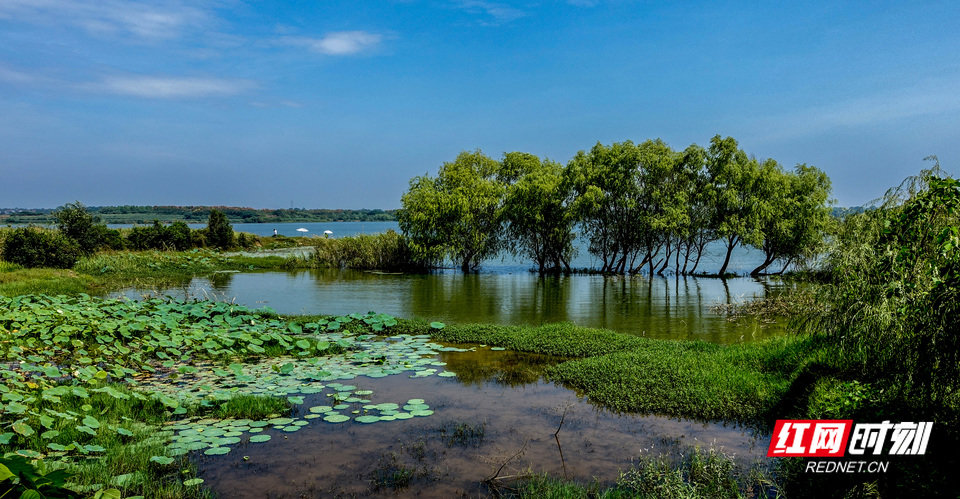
[894,303]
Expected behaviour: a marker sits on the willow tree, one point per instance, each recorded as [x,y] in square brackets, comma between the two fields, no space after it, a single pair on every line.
[609,203]
[795,214]
[539,223]
[663,190]
[457,214]
[733,193]
[699,229]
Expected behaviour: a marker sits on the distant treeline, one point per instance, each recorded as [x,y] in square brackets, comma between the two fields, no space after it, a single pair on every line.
[200,214]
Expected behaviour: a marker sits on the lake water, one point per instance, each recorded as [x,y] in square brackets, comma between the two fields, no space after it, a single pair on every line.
[510,413]
[497,413]
[667,308]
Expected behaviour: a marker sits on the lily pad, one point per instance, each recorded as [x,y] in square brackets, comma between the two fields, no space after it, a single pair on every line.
[336,418]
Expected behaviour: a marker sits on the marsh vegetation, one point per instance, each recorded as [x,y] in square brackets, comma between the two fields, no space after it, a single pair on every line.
[152,397]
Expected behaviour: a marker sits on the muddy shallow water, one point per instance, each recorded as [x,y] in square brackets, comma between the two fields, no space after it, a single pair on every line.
[495,415]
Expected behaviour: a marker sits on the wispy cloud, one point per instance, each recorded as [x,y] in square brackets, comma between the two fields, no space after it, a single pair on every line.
[13,76]
[497,13]
[925,99]
[339,42]
[154,87]
[161,19]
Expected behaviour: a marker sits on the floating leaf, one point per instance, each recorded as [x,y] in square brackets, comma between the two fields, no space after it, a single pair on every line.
[162,460]
[259,438]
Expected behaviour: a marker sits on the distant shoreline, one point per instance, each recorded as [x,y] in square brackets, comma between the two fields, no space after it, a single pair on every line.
[199,214]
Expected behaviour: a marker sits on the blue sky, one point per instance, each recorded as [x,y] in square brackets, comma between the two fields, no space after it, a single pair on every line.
[336,104]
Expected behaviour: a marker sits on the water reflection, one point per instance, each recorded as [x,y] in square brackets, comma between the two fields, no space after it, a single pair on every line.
[478,430]
[672,307]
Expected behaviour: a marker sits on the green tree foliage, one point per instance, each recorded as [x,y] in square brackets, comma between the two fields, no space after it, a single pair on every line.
[794,216]
[219,231]
[698,229]
[87,231]
[539,222]
[175,236]
[609,203]
[893,306]
[643,207]
[32,247]
[734,194]
[456,215]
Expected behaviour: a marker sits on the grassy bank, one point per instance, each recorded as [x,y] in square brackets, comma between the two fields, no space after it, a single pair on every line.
[111,271]
[701,473]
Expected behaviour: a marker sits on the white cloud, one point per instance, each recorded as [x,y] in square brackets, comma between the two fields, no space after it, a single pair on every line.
[340,42]
[153,87]
[159,19]
[501,13]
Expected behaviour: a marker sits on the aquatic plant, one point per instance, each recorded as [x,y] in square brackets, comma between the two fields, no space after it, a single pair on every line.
[139,384]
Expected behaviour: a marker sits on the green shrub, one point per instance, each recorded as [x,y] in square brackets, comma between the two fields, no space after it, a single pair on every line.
[894,302]
[111,238]
[219,231]
[32,247]
[75,222]
[385,251]
[175,236]
[247,241]
[198,238]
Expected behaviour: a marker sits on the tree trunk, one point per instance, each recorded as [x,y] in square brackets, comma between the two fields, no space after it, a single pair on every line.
[789,261]
[731,243]
[766,263]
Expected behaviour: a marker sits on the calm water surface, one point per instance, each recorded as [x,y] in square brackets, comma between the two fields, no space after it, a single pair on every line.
[674,308]
[511,416]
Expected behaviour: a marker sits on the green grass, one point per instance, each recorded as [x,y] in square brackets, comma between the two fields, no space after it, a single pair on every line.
[114,270]
[251,407]
[126,429]
[744,382]
[563,339]
[740,382]
[701,474]
[15,281]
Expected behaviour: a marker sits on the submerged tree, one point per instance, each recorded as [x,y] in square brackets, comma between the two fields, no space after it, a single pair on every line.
[457,214]
[795,214]
[608,203]
[539,223]
[733,192]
